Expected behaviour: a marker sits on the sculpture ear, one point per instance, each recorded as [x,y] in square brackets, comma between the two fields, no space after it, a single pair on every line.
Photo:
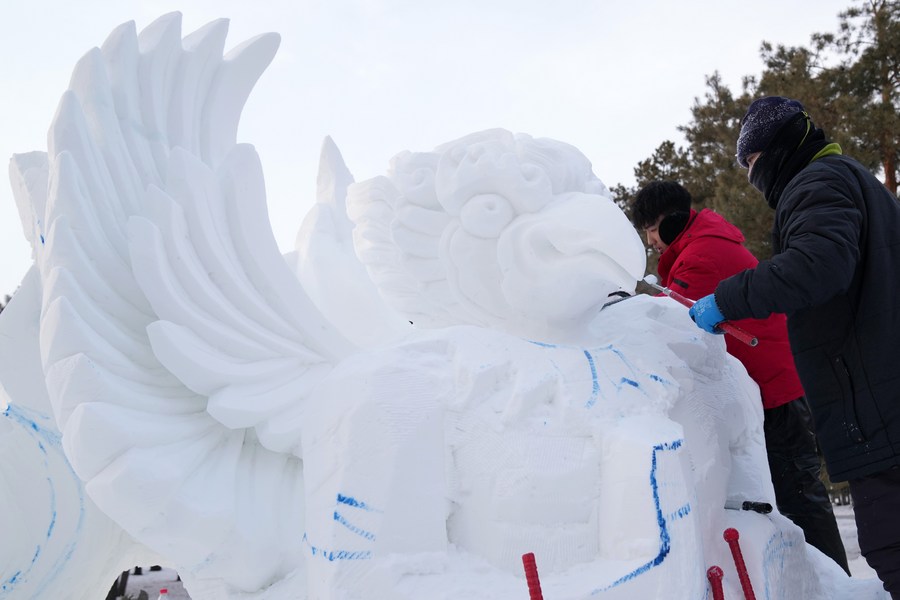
[672,225]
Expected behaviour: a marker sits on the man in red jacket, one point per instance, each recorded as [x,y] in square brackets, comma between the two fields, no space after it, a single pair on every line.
[698,250]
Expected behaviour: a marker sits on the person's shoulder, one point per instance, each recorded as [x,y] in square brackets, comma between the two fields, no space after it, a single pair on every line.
[835,171]
[833,163]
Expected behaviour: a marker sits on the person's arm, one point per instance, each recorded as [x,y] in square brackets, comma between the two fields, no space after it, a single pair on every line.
[821,233]
[695,276]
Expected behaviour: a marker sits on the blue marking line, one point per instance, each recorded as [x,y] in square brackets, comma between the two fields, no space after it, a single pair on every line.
[634,380]
[357,530]
[664,538]
[350,501]
[680,513]
[331,555]
[773,559]
[543,344]
[595,383]
[622,381]
[10,583]
[46,438]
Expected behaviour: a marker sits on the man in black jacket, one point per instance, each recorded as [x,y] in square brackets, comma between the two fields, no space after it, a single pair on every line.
[835,272]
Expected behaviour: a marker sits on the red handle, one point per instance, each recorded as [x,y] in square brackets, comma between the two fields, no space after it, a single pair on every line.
[531,576]
[732,330]
[714,574]
[738,333]
[731,536]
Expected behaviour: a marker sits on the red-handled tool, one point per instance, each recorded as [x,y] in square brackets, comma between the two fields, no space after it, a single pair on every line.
[725,326]
[714,574]
[531,577]
[732,536]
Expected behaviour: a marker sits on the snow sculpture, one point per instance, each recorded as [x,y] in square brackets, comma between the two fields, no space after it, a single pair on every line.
[488,229]
[56,543]
[218,415]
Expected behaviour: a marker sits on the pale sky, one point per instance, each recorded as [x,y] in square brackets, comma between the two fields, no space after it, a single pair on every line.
[613,78]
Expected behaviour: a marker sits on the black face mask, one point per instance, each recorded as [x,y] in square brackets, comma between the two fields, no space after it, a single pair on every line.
[766,168]
[792,148]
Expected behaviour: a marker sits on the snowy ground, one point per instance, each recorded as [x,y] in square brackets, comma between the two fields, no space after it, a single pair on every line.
[152,582]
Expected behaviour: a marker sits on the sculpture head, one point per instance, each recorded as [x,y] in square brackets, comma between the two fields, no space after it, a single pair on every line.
[495,229]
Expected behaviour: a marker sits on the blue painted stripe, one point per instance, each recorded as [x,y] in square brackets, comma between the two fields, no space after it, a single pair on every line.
[595,382]
[46,438]
[357,530]
[335,555]
[543,344]
[662,521]
[351,501]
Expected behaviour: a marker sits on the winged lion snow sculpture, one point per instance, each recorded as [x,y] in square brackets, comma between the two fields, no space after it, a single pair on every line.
[232,411]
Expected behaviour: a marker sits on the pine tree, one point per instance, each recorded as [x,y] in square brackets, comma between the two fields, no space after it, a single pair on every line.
[855,100]
[869,74]
[849,82]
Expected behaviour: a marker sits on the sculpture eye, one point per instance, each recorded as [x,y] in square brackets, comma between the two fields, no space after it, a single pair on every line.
[486,215]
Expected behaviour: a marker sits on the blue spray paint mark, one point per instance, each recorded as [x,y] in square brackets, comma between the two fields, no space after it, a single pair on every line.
[773,559]
[595,383]
[10,583]
[52,508]
[357,530]
[543,344]
[618,382]
[45,438]
[662,521]
[350,501]
[333,555]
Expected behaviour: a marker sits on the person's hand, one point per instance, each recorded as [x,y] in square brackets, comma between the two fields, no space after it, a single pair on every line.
[706,314]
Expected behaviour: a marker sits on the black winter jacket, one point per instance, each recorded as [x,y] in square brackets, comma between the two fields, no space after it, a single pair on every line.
[836,274]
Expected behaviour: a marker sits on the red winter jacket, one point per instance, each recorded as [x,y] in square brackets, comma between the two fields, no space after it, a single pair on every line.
[709,250]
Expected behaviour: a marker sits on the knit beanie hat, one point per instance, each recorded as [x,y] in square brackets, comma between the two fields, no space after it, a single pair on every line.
[764,118]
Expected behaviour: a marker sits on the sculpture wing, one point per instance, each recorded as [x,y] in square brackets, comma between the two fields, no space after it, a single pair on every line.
[177,344]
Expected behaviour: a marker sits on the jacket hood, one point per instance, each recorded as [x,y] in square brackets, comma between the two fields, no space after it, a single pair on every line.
[705,223]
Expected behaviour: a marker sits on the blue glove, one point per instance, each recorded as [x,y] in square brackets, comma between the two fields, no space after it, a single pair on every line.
[706,314]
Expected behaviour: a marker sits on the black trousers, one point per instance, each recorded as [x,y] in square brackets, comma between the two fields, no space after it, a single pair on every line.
[876,504]
[799,493]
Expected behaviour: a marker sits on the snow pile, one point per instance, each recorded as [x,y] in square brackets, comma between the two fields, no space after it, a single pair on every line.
[277,429]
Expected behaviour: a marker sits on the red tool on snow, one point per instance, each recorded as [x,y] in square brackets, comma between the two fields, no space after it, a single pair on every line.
[725,326]
[731,536]
[531,576]
[714,574]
